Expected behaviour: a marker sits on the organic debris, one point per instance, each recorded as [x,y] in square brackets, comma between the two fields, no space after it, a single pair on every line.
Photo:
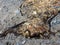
[39,16]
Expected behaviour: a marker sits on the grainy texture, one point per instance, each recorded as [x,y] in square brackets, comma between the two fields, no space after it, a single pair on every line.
[39,14]
[9,9]
[9,13]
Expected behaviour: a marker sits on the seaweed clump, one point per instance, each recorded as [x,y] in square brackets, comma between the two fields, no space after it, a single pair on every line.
[39,15]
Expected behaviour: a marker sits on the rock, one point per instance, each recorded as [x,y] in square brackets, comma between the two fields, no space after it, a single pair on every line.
[9,13]
[55,24]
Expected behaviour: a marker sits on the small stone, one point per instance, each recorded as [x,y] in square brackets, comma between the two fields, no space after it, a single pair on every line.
[23,42]
[27,23]
[1,32]
[34,12]
[17,11]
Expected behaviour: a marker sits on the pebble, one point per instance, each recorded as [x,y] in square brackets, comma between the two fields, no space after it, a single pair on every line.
[17,11]
[34,12]
[1,32]
[56,20]
[23,42]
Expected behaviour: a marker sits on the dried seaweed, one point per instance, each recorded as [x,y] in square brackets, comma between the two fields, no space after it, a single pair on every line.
[39,16]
